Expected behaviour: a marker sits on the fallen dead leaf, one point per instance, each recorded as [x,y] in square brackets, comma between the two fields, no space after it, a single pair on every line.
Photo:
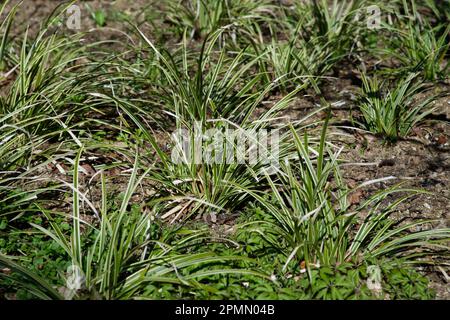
[355,197]
[442,139]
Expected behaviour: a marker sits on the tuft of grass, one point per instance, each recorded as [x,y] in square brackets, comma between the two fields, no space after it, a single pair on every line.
[99,16]
[48,94]
[421,48]
[309,219]
[5,28]
[200,18]
[392,113]
[294,63]
[211,94]
[336,25]
[125,251]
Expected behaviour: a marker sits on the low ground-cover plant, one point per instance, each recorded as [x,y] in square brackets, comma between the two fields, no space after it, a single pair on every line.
[203,17]
[392,113]
[99,16]
[5,27]
[419,47]
[45,96]
[296,62]
[123,251]
[355,279]
[32,285]
[336,25]
[315,228]
[28,257]
[316,35]
[208,95]
[217,228]
[210,86]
